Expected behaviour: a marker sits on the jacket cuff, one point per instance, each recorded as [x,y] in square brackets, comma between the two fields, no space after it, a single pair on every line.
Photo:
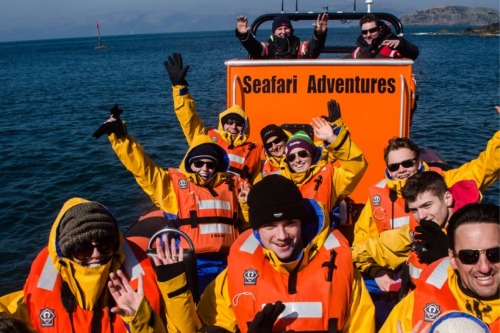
[168,272]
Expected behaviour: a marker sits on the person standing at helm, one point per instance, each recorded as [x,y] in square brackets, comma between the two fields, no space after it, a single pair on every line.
[377,41]
[89,279]
[200,198]
[232,132]
[283,44]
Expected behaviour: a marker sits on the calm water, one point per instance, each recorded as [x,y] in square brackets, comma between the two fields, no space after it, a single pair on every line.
[55,93]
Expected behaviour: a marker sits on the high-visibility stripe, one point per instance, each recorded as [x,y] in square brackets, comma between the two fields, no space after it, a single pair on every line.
[250,244]
[215,228]
[236,158]
[331,242]
[214,204]
[439,276]
[381,184]
[414,271]
[302,310]
[400,221]
[131,264]
[48,276]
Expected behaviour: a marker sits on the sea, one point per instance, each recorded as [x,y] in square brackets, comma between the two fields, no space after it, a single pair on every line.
[55,93]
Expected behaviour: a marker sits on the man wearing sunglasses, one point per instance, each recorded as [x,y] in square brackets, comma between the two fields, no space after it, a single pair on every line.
[200,198]
[232,132]
[89,279]
[467,280]
[377,41]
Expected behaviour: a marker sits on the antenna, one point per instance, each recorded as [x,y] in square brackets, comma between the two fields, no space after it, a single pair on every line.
[369,6]
[282,1]
[354,6]
[296,6]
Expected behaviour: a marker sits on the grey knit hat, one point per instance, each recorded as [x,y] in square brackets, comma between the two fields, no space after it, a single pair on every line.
[86,222]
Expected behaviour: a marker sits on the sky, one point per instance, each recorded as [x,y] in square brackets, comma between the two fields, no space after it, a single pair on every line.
[47,19]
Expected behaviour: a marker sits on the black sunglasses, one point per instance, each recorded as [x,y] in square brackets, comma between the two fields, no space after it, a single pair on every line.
[200,164]
[471,257]
[301,153]
[84,251]
[275,141]
[230,122]
[372,30]
[406,164]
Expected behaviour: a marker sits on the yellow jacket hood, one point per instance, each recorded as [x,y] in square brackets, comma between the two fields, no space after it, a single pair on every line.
[242,137]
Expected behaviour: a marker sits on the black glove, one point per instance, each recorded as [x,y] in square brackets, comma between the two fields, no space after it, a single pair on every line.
[176,72]
[333,111]
[434,239]
[264,320]
[112,125]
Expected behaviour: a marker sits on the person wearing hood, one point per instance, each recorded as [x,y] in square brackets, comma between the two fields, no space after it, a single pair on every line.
[283,44]
[89,279]
[377,41]
[232,132]
[200,198]
[386,209]
[292,259]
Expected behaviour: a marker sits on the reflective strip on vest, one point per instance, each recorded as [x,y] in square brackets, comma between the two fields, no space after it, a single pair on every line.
[302,310]
[439,276]
[131,264]
[215,228]
[250,244]
[381,184]
[236,158]
[48,276]
[331,242]
[400,221]
[414,271]
[214,204]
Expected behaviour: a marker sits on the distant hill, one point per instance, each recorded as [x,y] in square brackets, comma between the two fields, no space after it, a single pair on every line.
[452,15]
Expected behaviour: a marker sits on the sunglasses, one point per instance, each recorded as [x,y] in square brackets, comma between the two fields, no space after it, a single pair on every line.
[200,164]
[300,153]
[84,251]
[238,123]
[406,164]
[276,141]
[372,30]
[471,257]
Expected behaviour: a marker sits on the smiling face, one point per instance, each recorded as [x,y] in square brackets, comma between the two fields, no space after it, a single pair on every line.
[204,167]
[283,237]
[275,146]
[481,278]
[399,156]
[431,207]
[234,127]
[299,159]
[370,31]
[283,31]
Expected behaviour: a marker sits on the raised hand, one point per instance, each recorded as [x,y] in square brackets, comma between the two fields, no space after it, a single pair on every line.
[242,24]
[333,111]
[264,320]
[321,23]
[434,239]
[166,256]
[175,69]
[127,299]
[323,130]
[114,124]
[245,189]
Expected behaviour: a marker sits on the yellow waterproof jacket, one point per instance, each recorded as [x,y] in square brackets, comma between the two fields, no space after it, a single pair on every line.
[348,170]
[90,289]
[215,306]
[484,170]
[155,181]
[405,310]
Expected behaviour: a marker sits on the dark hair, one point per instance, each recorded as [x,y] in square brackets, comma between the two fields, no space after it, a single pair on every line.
[369,18]
[397,143]
[12,325]
[420,182]
[471,214]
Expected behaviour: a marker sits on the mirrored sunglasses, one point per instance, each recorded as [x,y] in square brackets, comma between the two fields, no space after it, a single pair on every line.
[372,30]
[471,257]
[84,251]
[300,153]
[200,164]
[406,164]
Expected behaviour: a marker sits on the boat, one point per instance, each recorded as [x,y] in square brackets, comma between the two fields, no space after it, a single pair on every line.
[100,45]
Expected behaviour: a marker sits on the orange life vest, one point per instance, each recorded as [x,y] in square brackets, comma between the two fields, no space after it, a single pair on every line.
[320,187]
[209,216]
[433,296]
[43,295]
[463,192]
[243,159]
[385,51]
[268,169]
[313,296]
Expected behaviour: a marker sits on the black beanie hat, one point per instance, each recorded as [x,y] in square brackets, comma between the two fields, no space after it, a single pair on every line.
[272,130]
[274,198]
[233,116]
[209,151]
[86,222]
[281,20]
